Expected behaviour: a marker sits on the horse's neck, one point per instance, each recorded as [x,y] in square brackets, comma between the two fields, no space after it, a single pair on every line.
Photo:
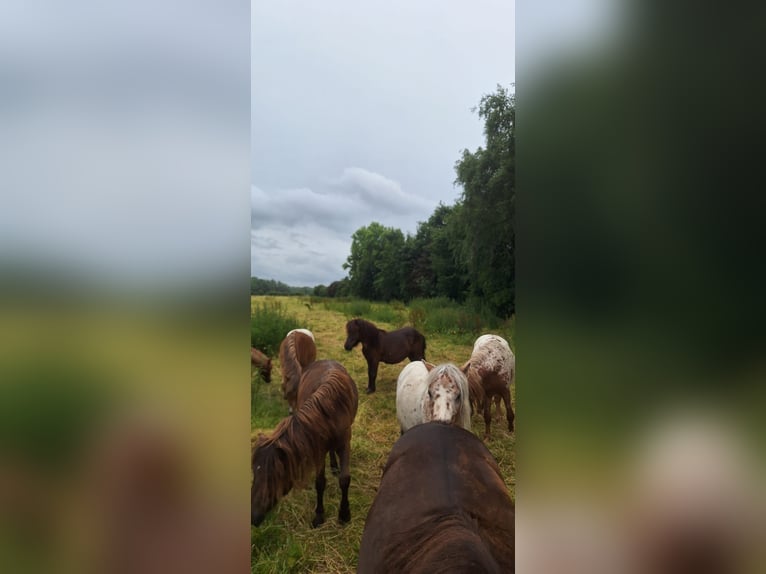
[298,444]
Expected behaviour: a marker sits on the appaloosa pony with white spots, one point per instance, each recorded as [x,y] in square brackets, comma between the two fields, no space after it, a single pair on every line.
[425,393]
[379,345]
[491,371]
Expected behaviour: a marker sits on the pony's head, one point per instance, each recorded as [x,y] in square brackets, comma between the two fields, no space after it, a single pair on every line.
[266,371]
[448,395]
[353,334]
[270,479]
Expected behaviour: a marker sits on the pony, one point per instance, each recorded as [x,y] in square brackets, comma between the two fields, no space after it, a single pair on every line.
[425,392]
[297,351]
[327,403]
[261,362]
[441,506]
[379,345]
[491,371]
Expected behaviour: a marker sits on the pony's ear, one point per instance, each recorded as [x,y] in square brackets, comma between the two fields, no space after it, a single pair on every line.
[429,366]
[465,368]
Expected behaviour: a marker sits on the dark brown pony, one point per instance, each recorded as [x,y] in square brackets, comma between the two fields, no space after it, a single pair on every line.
[327,403]
[442,506]
[296,352]
[379,345]
[261,362]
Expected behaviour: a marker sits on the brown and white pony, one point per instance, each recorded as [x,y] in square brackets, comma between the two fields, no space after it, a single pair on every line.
[379,345]
[261,362]
[327,403]
[425,392]
[296,352]
[441,506]
[491,371]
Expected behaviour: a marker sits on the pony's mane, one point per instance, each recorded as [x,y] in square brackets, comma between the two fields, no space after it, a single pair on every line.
[299,441]
[291,367]
[441,543]
[454,373]
[367,329]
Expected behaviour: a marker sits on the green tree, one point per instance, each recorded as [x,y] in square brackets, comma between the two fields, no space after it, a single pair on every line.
[488,204]
[377,263]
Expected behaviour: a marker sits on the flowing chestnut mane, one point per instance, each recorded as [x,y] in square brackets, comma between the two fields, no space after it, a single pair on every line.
[296,352]
[379,346]
[327,399]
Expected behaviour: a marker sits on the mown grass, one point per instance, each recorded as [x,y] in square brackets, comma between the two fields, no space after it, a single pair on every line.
[285,542]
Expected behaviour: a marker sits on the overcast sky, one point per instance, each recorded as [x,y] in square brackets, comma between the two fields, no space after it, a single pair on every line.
[359,112]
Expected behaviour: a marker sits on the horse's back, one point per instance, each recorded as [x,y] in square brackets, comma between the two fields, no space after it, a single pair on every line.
[492,357]
[404,343]
[410,387]
[437,474]
[341,393]
[258,357]
[304,331]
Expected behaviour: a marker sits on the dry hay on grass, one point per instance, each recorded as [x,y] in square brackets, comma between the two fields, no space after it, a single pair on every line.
[285,542]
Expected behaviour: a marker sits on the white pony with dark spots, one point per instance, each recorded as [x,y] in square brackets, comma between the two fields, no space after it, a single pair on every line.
[425,393]
[491,371]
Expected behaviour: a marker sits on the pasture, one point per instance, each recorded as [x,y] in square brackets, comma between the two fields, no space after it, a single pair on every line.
[285,541]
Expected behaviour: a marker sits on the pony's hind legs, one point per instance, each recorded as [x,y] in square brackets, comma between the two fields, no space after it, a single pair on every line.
[344,480]
[319,484]
[334,463]
[508,410]
[487,416]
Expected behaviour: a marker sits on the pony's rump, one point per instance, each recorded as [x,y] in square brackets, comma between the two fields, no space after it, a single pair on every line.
[441,506]
[296,352]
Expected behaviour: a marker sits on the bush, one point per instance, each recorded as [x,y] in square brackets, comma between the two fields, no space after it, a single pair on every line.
[444,316]
[269,323]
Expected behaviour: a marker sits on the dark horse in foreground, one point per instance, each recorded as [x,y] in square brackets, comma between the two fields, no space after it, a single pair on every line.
[442,506]
[379,345]
[327,403]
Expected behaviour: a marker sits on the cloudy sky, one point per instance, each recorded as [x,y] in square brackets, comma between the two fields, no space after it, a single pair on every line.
[359,112]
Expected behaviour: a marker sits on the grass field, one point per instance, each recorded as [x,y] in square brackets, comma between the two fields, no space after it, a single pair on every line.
[285,542]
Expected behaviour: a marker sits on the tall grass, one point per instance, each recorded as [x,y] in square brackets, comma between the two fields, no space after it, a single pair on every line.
[269,323]
[444,316]
[394,313]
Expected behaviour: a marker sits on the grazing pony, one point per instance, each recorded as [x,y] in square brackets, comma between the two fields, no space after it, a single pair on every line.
[491,371]
[425,392]
[327,403]
[260,361]
[296,352]
[379,345]
[441,506]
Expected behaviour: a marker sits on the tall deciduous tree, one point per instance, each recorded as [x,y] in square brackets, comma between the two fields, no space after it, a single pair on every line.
[488,204]
[377,265]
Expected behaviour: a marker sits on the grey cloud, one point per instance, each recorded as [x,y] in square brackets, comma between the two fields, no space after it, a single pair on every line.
[379,191]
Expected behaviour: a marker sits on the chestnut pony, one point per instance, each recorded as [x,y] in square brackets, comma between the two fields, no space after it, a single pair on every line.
[442,506]
[379,345]
[261,362]
[327,403]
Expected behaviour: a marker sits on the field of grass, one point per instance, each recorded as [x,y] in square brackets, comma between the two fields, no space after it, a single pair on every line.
[285,541]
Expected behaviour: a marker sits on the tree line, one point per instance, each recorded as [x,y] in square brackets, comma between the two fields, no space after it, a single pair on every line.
[463,251]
